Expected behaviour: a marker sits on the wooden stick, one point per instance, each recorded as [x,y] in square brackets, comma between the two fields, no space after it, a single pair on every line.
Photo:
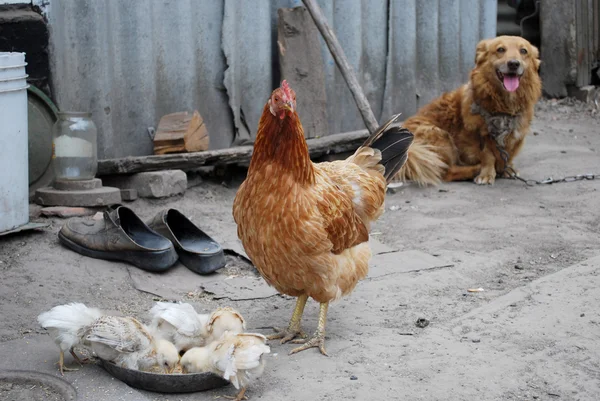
[317,147]
[342,62]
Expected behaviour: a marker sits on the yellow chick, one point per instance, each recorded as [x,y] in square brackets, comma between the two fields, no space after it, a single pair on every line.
[129,344]
[235,357]
[222,320]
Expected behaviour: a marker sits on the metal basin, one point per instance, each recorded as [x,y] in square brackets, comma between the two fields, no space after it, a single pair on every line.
[29,385]
[164,383]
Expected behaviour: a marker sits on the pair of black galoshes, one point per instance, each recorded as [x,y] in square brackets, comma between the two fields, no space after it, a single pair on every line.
[155,246]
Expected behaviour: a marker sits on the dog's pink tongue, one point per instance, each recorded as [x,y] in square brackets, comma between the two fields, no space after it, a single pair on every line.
[511,83]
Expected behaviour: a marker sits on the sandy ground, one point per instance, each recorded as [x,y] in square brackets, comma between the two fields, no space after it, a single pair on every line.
[533,333]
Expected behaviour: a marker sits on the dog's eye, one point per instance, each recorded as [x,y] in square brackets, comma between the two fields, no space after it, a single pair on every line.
[501,50]
[523,51]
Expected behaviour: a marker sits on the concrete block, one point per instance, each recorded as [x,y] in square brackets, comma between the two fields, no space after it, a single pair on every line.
[153,184]
[129,194]
[65,212]
[35,211]
[96,197]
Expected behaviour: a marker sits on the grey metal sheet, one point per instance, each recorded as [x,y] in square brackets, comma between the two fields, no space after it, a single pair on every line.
[131,62]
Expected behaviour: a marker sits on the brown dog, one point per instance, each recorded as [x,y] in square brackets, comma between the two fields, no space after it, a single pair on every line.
[459,134]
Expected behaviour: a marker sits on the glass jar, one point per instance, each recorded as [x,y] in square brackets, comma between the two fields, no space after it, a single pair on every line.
[74,153]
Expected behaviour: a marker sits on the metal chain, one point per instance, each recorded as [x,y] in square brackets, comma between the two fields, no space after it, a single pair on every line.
[549,180]
[499,126]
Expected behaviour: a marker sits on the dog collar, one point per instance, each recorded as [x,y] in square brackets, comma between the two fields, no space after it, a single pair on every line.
[499,125]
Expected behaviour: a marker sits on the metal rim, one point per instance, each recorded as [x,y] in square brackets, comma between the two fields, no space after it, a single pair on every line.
[66,390]
[38,97]
[48,102]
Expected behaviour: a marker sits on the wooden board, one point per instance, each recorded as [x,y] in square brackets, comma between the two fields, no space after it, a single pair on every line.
[301,64]
[317,147]
[181,132]
[342,62]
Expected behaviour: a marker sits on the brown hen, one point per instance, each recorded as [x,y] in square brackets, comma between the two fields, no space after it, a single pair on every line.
[305,225]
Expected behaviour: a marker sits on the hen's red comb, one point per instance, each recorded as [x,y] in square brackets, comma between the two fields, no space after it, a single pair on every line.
[286,88]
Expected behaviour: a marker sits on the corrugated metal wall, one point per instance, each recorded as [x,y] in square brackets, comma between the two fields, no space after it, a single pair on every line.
[587,17]
[130,62]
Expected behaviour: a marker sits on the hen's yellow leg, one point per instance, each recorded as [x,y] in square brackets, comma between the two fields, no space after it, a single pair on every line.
[241,395]
[318,340]
[61,364]
[293,329]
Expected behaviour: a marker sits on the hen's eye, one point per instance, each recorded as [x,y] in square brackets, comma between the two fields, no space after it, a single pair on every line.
[501,50]
[276,98]
[523,51]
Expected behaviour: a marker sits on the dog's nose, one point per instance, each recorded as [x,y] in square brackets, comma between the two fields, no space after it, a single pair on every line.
[513,64]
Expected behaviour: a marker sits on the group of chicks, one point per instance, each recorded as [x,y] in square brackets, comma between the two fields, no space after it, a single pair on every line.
[214,342]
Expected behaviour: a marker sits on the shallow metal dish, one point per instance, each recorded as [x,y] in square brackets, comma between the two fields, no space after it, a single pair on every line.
[164,383]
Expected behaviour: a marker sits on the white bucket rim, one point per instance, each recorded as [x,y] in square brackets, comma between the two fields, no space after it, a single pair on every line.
[15,79]
[15,89]
[7,67]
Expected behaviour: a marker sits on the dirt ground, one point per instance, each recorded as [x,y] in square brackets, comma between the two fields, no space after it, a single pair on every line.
[532,334]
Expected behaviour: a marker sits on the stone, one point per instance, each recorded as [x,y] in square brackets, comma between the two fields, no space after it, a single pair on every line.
[96,197]
[152,184]
[64,211]
[35,211]
[77,185]
[129,194]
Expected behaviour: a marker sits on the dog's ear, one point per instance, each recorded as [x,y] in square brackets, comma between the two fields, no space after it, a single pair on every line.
[481,51]
[535,54]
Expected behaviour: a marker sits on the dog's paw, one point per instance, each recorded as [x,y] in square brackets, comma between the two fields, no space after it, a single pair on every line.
[485,179]
[507,174]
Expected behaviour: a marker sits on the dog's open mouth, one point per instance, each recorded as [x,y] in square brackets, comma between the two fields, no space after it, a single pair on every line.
[509,80]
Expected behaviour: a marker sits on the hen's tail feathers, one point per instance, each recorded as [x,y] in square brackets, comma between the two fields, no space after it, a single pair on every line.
[70,317]
[393,143]
[424,166]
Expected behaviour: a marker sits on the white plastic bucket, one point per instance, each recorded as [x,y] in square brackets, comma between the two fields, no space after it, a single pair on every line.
[14,163]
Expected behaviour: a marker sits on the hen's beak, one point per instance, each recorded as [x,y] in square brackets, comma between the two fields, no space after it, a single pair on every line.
[289,106]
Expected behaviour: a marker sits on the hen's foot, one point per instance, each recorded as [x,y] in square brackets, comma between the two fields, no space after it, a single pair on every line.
[286,334]
[241,395]
[61,365]
[64,369]
[318,340]
[293,329]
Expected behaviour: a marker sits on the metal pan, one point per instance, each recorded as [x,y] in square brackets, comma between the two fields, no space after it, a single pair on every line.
[164,383]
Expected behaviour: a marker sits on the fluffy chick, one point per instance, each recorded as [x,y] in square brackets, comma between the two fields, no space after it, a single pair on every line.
[63,322]
[222,320]
[129,344]
[180,324]
[236,357]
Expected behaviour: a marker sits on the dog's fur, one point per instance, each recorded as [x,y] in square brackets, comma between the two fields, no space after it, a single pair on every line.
[452,142]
